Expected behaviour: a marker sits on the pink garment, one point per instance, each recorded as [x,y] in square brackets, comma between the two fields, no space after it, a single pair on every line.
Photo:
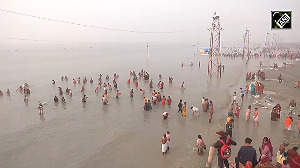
[267,149]
[200,142]
[248,114]
[168,137]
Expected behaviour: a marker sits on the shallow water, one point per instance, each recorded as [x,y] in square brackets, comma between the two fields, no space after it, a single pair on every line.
[120,134]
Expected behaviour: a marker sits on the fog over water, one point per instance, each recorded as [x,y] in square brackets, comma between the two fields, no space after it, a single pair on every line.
[121,134]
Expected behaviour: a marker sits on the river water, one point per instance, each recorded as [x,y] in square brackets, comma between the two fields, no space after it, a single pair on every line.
[120,134]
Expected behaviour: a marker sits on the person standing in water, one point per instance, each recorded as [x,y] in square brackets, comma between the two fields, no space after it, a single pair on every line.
[211,111]
[237,110]
[131,93]
[288,124]
[84,99]
[180,106]
[26,99]
[242,93]
[255,117]
[182,85]
[280,78]
[118,94]
[229,127]
[200,145]
[168,135]
[63,100]
[248,114]
[292,105]
[151,84]
[169,100]
[164,145]
[163,101]
[55,99]
[234,98]
[184,109]
[247,88]
[41,112]
[8,92]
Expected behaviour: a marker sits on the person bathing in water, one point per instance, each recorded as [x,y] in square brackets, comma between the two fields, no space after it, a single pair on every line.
[55,99]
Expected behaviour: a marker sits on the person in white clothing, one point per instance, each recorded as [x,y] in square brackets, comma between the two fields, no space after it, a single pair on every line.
[195,111]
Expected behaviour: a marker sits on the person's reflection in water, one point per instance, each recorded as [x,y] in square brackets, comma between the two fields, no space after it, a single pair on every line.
[105,110]
[42,118]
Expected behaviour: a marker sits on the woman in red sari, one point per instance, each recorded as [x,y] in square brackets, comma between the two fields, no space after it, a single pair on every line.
[261,88]
[267,148]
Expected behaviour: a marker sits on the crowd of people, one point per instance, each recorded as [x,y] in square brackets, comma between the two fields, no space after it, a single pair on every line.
[246,156]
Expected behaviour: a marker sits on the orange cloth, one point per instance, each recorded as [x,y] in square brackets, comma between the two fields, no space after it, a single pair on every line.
[163,101]
[288,122]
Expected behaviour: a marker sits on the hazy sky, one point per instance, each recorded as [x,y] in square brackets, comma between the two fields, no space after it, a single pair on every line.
[145,15]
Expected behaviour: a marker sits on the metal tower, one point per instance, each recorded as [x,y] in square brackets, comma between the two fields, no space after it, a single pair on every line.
[246,49]
[214,58]
[246,44]
[266,48]
[274,42]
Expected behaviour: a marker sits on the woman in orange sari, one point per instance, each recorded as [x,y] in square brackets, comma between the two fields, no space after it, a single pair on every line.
[288,124]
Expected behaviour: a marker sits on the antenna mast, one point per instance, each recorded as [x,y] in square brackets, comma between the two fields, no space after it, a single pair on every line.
[214,58]
[246,49]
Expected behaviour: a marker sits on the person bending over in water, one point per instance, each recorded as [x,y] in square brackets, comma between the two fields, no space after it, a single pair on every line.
[104,100]
[8,92]
[182,85]
[84,99]
[63,100]
[195,111]
[165,115]
[118,94]
[55,99]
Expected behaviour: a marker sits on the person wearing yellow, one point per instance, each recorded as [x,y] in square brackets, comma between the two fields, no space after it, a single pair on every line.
[184,109]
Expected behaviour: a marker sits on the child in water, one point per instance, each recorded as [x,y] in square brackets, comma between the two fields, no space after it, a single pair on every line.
[200,145]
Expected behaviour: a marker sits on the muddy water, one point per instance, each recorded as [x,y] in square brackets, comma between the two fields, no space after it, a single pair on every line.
[120,134]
